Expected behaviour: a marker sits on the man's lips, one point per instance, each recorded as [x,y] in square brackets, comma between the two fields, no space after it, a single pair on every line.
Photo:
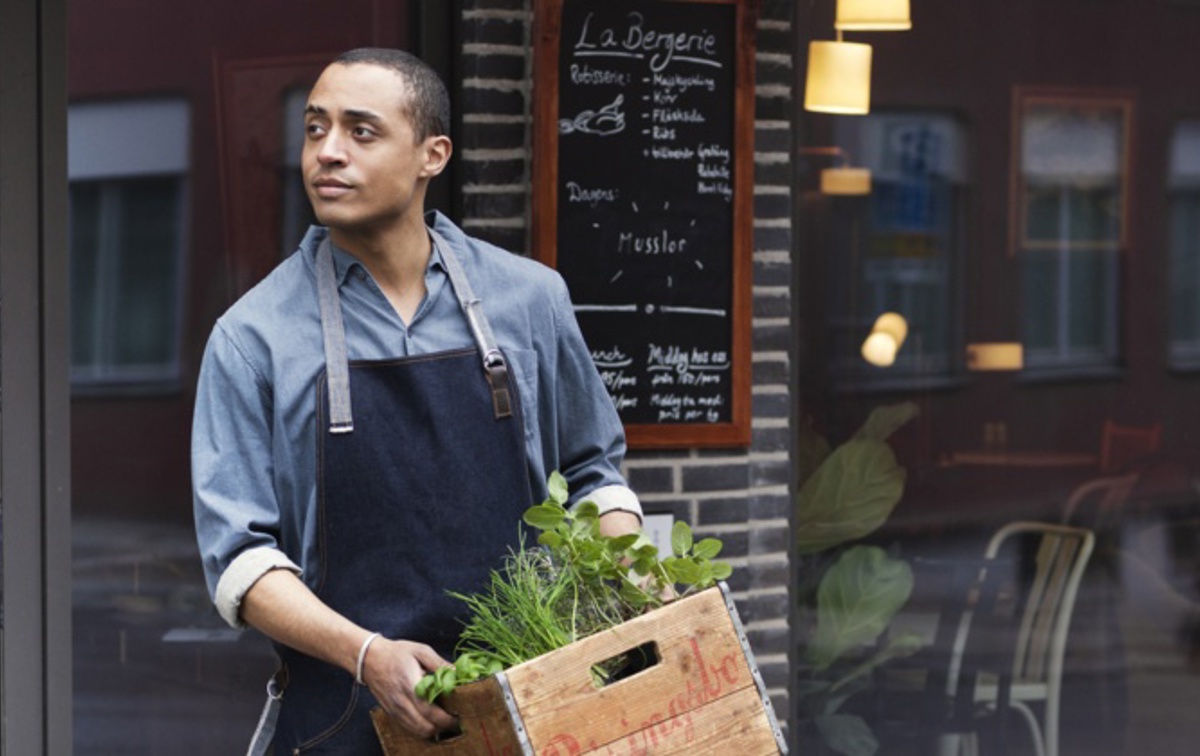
[330,188]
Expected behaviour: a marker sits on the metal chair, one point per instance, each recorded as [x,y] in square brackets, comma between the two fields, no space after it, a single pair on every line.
[1045,604]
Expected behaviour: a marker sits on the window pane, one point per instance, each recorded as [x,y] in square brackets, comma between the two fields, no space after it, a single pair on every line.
[85,272]
[144,322]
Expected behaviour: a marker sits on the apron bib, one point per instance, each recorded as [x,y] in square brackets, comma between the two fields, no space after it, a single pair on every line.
[420,491]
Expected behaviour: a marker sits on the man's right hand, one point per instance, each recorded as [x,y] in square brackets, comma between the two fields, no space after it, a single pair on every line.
[392,670]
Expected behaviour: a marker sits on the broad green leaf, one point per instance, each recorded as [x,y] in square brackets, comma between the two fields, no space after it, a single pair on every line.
[849,496]
[551,539]
[424,687]
[683,571]
[847,734]
[707,548]
[886,420]
[811,450]
[544,516]
[681,538]
[623,543]
[557,486]
[721,570]
[858,597]
[586,510]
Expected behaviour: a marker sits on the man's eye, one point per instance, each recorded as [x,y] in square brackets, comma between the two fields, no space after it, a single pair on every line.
[362,132]
[314,129]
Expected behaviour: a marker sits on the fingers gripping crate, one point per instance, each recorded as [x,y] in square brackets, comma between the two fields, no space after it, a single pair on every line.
[702,694]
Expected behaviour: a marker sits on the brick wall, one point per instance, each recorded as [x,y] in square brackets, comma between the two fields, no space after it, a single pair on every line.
[740,496]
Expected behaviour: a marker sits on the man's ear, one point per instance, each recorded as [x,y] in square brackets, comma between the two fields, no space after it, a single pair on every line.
[437,154]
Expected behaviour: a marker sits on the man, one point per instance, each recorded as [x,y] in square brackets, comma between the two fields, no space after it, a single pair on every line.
[373,418]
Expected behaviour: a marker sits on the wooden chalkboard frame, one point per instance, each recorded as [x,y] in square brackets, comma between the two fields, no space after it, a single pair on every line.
[547,36]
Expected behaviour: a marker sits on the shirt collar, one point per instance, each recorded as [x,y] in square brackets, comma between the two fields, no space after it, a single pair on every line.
[344,263]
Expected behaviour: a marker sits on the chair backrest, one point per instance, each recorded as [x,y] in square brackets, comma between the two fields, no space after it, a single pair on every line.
[1099,503]
[1121,445]
[1047,596]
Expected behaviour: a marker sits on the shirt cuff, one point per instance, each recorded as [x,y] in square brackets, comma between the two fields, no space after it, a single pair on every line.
[615,498]
[241,574]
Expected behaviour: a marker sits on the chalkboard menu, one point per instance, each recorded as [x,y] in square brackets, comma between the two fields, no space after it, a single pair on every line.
[643,174]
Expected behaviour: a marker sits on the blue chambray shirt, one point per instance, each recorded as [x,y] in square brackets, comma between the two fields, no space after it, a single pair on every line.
[254,434]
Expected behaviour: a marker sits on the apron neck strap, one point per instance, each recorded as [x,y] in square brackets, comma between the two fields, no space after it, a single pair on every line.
[333,332]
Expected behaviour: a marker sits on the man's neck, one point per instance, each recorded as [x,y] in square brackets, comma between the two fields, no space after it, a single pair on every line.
[397,260]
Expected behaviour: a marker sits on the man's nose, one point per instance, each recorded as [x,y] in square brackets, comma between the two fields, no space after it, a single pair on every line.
[331,151]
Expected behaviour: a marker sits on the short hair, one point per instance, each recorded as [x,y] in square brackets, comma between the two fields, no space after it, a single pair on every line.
[428,106]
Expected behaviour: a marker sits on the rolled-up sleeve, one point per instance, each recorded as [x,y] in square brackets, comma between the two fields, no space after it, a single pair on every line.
[234,503]
[589,437]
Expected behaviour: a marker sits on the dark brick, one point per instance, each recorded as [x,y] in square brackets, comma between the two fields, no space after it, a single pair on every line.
[772,306]
[506,67]
[773,140]
[492,136]
[734,545]
[642,455]
[495,5]
[768,574]
[772,72]
[494,204]
[769,540]
[765,606]
[739,581]
[506,101]
[770,640]
[772,338]
[775,674]
[651,479]
[678,508]
[512,239]
[773,274]
[770,373]
[774,40]
[771,405]
[494,31]
[773,108]
[722,511]
[777,174]
[776,239]
[772,439]
[770,507]
[715,477]
[772,206]
[766,474]
[493,171]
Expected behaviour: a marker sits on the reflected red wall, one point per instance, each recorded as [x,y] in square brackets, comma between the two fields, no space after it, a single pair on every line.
[130,452]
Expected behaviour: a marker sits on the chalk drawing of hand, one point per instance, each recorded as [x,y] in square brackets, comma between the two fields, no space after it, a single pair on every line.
[606,121]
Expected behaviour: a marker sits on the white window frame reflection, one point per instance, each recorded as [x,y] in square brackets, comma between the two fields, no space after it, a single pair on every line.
[1071,155]
[115,149]
[902,248]
[1183,239]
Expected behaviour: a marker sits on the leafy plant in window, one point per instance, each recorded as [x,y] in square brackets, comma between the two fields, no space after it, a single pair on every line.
[575,583]
[848,593]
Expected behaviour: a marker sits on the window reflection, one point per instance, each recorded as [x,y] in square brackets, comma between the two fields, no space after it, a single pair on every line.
[1183,238]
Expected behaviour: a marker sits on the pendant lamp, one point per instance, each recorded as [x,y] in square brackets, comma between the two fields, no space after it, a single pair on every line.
[873,15]
[839,78]
[996,355]
[887,335]
[846,182]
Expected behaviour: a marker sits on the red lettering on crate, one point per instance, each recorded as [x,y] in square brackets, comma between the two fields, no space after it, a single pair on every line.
[668,727]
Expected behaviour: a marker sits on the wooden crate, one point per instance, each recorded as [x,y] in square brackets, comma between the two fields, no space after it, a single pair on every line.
[703,696]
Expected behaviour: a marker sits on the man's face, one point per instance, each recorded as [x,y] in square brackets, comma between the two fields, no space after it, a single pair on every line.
[363,167]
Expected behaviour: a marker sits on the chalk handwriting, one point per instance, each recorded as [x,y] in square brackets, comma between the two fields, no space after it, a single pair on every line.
[593,197]
[636,41]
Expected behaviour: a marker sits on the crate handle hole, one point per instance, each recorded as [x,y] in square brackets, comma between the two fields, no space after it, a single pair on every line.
[448,735]
[626,664]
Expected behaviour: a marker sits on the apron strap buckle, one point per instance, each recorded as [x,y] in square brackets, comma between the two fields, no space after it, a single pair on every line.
[497,376]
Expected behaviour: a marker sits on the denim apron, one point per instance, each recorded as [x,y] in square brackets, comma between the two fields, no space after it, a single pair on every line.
[420,491]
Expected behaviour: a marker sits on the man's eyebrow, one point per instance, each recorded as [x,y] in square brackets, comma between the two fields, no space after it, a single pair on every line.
[357,114]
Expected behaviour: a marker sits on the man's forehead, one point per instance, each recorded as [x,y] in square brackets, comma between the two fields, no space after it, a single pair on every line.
[358,86]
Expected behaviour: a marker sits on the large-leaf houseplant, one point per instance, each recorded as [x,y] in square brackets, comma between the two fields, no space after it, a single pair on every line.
[848,592]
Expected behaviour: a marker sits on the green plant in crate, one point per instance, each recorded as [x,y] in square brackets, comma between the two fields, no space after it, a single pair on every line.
[576,582]
[849,593]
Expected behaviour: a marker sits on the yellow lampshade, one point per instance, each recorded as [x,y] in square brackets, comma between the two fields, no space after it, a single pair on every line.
[873,15]
[880,349]
[894,325]
[846,181]
[999,355]
[839,78]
